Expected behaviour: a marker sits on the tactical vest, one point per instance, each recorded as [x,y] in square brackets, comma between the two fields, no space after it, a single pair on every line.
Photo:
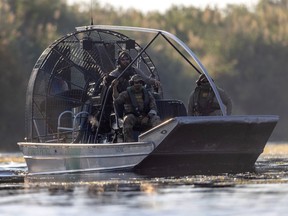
[137,99]
[204,100]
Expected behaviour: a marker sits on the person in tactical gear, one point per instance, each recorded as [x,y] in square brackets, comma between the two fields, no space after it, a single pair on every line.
[124,59]
[203,102]
[139,106]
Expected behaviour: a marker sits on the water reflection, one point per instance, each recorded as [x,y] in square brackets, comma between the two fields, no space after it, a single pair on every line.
[271,167]
[263,192]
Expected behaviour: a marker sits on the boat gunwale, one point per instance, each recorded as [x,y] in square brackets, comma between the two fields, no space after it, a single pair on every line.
[87,145]
[86,156]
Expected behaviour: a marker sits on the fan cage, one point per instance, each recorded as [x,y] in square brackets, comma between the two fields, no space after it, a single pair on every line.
[65,83]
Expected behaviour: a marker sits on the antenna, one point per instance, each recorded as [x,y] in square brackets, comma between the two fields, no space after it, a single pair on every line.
[91,13]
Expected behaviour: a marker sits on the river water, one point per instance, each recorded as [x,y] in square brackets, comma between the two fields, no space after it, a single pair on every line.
[263,192]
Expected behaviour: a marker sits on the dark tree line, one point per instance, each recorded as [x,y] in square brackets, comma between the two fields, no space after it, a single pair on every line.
[244,49]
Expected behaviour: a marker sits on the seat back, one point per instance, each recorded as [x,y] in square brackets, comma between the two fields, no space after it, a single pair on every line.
[170,108]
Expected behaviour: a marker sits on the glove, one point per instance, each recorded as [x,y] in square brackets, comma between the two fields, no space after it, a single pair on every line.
[144,120]
[152,113]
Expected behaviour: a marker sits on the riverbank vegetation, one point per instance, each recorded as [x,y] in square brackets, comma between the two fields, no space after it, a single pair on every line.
[244,49]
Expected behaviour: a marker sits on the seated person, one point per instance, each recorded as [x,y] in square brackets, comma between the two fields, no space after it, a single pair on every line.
[203,102]
[123,61]
[139,106]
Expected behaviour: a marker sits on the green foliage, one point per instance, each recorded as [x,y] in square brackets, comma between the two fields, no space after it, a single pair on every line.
[244,49]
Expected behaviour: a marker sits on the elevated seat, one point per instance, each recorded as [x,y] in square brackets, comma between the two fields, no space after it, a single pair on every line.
[169,108]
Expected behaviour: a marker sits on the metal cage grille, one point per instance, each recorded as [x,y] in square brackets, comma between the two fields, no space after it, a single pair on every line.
[67,75]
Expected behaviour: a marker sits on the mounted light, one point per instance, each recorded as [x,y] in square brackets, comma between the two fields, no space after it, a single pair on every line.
[130,44]
[87,43]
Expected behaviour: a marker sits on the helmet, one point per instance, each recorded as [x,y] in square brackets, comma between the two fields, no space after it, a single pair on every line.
[202,78]
[136,78]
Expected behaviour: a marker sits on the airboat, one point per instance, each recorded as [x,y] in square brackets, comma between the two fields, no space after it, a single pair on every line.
[66,89]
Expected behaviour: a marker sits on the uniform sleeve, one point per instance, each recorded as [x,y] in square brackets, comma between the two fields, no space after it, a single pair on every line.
[226,101]
[115,73]
[152,104]
[110,77]
[121,98]
[190,104]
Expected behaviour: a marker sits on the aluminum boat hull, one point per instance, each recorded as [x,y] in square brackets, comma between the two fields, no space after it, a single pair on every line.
[53,158]
[209,145]
[179,146]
